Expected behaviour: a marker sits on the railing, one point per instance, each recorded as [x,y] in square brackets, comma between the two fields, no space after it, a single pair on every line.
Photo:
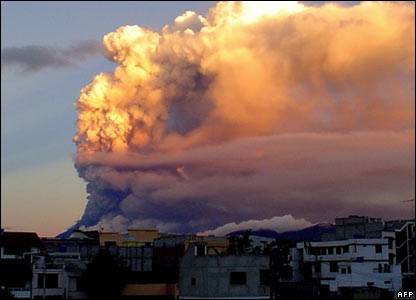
[20,292]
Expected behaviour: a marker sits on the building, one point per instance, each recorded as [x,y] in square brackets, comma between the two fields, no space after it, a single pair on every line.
[136,258]
[351,263]
[404,243]
[57,276]
[15,262]
[168,250]
[15,245]
[401,235]
[110,239]
[355,227]
[140,237]
[204,276]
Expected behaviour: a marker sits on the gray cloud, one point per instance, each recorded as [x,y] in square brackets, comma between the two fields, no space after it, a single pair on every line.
[253,179]
[33,58]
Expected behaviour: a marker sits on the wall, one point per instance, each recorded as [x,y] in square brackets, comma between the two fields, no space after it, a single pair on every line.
[212,276]
[144,235]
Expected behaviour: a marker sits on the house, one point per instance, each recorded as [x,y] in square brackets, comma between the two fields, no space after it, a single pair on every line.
[401,236]
[168,250]
[140,237]
[15,245]
[350,263]
[15,262]
[355,227]
[204,276]
[136,258]
[110,239]
[86,244]
[57,275]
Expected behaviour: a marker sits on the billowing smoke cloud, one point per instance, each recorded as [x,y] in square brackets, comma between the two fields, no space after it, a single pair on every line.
[34,58]
[254,111]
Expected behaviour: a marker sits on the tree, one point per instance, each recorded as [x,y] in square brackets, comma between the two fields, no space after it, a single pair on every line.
[104,277]
[280,268]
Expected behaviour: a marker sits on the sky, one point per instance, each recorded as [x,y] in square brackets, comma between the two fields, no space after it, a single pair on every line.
[41,190]
[253,115]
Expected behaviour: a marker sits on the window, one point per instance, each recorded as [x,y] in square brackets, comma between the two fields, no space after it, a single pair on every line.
[80,284]
[264,277]
[330,250]
[200,250]
[391,243]
[378,248]
[50,281]
[333,266]
[40,280]
[193,281]
[110,243]
[345,249]
[387,282]
[380,268]
[315,251]
[323,251]
[349,270]
[343,271]
[338,250]
[238,278]
[386,268]
[391,258]
[318,267]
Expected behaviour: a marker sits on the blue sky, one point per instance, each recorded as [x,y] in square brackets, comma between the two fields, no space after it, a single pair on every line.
[38,115]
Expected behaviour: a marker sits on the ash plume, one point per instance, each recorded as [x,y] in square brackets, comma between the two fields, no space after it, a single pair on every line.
[255,111]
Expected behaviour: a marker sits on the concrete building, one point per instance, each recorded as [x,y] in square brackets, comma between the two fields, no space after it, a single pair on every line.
[204,276]
[15,245]
[86,249]
[168,250]
[351,263]
[136,258]
[111,239]
[16,249]
[140,237]
[57,275]
[355,227]
[403,241]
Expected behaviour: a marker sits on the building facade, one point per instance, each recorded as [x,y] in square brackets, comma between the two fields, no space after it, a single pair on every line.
[204,276]
[352,263]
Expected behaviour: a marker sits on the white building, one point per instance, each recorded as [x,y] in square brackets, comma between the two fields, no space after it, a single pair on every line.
[351,263]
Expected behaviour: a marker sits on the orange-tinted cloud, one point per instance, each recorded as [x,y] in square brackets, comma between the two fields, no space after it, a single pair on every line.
[291,107]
